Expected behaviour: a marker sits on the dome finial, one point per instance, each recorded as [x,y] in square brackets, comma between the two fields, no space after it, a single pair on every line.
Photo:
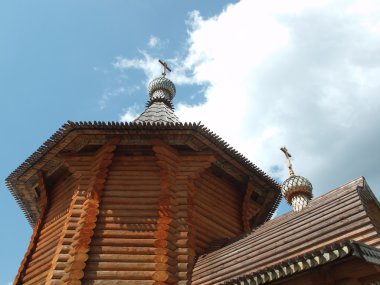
[161,88]
[164,67]
[288,156]
[159,107]
[297,190]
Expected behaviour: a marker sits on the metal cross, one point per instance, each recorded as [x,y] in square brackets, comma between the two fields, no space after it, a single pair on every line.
[164,67]
[288,156]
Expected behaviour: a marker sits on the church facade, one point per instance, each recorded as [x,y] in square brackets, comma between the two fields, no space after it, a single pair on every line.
[157,201]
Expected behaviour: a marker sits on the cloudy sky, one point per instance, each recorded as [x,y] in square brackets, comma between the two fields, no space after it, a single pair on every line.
[261,74]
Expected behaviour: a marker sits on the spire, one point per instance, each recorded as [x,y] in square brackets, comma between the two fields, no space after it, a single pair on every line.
[161,93]
[297,190]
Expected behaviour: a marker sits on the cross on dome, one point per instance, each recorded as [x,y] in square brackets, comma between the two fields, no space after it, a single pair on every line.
[288,156]
[164,67]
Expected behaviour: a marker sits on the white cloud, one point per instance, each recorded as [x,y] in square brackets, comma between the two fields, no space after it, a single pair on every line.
[304,74]
[149,65]
[153,41]
[297,73]
[109,93]
[130,113]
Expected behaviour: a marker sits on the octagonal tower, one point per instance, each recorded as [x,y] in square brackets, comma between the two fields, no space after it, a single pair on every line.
[135,203]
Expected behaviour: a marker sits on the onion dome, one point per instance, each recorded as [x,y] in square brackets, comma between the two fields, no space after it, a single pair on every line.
[161,88]
[297,190]
[159,108]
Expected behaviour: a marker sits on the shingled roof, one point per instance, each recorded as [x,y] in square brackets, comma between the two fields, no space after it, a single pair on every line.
[339,215]
[158,112]
[324,256]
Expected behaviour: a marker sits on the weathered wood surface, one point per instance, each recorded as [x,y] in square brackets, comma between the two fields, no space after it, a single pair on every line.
[217,213]
[134,219]
[125,231]
[56,201]
[74,269]
[336,216]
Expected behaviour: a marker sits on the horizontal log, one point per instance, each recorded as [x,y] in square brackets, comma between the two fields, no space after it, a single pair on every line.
[120,266]
[39,279]
[40,265]
[150,216]
[130,208]
[124,234]
[117,282]
[37,255]
[122,275]
[132,250]
[129,220]
[47,226]
[141,227]
[48,240]
[122,242]
[36,274]
[53,227]
[228,223]
[148,197]
[125,172]
[128,192]
[119,257]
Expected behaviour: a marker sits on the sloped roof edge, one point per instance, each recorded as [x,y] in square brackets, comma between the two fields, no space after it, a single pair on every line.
[310,260]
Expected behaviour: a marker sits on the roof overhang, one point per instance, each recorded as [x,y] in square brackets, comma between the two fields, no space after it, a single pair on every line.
[72,137]
[338,253]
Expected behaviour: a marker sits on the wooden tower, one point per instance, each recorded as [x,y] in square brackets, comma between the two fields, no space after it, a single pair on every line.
[135,203]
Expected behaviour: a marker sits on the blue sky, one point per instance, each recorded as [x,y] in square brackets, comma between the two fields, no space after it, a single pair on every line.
[56,64]
[259,74]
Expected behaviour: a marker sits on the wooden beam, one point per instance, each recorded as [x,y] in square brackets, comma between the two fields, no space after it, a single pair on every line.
[249,207]
[74,270]
[168,161]
[177,239]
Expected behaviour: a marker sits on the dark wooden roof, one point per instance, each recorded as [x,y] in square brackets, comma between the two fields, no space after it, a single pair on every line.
[339,215]
[329,254]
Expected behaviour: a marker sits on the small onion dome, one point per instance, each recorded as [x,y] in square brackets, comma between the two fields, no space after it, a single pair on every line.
[161,88]
[297,191]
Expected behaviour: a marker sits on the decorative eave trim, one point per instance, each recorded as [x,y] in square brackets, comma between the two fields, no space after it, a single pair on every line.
[69,127]
[167,102]
[309,260]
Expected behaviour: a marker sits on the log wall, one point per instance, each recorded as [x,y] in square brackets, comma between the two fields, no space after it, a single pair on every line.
[122,247]
[41,259]
[132,218]
[217,210]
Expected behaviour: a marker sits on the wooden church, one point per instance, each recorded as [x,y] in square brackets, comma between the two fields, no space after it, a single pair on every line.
[157,201]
